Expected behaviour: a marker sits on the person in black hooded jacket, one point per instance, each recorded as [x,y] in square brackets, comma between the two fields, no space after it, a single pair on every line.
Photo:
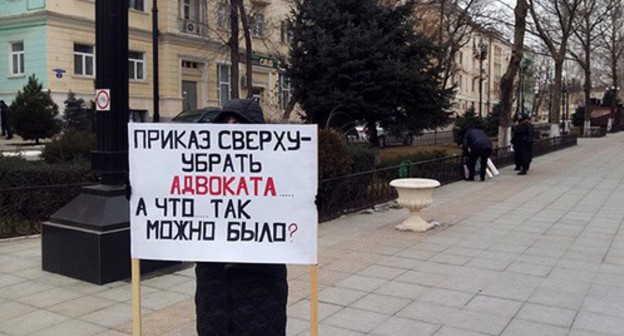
[236,299]
[522,141]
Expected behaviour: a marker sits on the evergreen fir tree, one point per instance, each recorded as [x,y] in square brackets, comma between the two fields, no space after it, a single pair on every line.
[463,123]
[33,113]
[77,116]
[364,60]
[492,121]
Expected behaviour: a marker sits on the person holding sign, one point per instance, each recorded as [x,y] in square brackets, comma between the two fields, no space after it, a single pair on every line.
[240,298]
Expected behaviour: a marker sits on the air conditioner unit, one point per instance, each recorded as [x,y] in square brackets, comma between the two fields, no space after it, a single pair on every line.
[190,27]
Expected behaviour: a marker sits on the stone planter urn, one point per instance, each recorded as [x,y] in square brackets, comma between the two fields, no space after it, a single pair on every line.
[415,194]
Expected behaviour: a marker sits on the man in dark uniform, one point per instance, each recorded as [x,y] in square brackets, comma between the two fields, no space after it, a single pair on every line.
[4,115]
[522,141]
[476,145]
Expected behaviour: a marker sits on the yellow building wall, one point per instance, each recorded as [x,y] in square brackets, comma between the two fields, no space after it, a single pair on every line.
[72,21]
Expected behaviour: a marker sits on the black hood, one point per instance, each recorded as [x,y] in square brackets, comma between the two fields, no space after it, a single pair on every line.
[247,110]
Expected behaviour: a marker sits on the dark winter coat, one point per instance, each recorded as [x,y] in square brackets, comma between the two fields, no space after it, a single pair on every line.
[476,140]
[4,116]
[522,141]
[236,299]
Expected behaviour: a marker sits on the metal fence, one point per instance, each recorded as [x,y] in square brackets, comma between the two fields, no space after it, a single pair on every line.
[433,138]
[341,195]
[337,196]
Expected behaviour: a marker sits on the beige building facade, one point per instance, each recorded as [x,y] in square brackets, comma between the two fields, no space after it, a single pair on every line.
[486,72]
[194,59]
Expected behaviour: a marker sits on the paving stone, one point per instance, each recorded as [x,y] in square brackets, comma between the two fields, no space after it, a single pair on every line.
[71,327]
[480,322]
[421,278]
[599,323]
[495,306]
[401,290]
[451,259]
[489,264]
[31,322]
[382,272]
[81,306]
[529,268]
[446,297]
[50,297]
[356,319]
[415,254]
[294,326]
[381,304]
[111,316]
[519,327]
[547,315]
[427,312]
[332,330]
[402,326]
[361,283]
[340,296]
[513,286]
[10,310]
[450,331]
[8,280]
[301,310]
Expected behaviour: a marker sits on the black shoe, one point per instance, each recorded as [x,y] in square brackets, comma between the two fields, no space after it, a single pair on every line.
[522,172]
[517,168]
[470,179]
[9,137]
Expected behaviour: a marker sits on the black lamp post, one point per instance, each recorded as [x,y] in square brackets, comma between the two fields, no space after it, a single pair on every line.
[524,65]
[89,238]
[564,106]
[481,56]
[155,33]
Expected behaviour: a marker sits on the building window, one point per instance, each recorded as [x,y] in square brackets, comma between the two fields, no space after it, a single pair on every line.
[257,25]
[284,91]
[17,58]
[223,73]
[136,64]
[190,65]
[137,5]
[186,9]
[285,33]
[83,60]
[190,10]
[223,14]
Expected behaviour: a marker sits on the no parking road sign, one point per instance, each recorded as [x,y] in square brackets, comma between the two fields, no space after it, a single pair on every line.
[102,100]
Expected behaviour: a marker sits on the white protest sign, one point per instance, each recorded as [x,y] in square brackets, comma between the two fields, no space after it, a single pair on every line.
[218,192]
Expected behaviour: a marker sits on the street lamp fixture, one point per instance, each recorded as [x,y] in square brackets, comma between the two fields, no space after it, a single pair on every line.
[481,55]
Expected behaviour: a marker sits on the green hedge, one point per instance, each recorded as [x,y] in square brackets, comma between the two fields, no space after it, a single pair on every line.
[31,191]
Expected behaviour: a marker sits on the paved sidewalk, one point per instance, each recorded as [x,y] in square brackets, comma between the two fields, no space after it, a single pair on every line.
[540,254]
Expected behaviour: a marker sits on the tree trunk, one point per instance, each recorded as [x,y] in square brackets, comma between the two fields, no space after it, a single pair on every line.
[587,85]
[506,85]
[289,108]
[248,50]
[554,115]
[234,49]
